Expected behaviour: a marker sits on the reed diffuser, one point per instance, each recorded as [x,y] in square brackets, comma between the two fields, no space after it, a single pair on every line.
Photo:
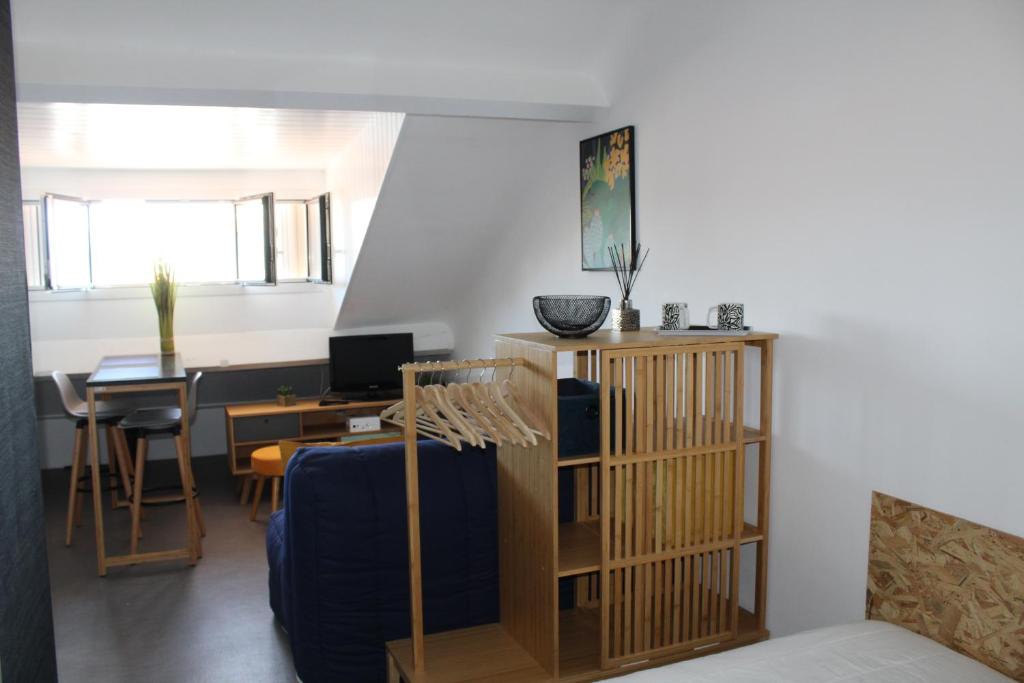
[165,293]
[625,318]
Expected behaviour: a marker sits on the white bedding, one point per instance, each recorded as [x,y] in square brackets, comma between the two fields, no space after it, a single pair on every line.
[853,653]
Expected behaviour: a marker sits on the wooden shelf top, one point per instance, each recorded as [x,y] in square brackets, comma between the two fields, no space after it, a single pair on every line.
[610,339]
[580,646]
[480,653]
[579,547]
[305,405]
[750,435]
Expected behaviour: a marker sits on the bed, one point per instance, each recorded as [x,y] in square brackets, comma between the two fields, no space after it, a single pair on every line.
[945,605]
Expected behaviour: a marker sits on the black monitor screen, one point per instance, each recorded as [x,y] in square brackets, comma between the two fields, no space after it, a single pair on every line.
[368,364]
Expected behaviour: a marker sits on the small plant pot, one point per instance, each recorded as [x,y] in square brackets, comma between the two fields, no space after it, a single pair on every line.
[286,399]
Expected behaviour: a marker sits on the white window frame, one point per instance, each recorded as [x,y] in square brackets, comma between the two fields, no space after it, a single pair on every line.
[270,253]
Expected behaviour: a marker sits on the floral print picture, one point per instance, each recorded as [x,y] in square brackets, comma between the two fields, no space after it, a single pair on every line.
[606,196]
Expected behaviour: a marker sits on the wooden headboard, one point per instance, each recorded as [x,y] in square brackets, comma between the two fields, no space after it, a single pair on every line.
[959,583]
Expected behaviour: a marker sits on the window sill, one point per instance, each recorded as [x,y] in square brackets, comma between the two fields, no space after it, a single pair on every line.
[184,291]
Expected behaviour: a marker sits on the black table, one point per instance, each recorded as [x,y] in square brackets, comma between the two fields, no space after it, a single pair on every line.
[137,374]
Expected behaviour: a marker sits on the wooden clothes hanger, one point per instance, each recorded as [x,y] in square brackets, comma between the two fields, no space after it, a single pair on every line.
[471,412]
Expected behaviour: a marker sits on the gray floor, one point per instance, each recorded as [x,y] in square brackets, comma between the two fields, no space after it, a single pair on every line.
[165,621]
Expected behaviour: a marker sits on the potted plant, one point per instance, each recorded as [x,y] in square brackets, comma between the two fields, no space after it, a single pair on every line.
[285,395]
[165,292]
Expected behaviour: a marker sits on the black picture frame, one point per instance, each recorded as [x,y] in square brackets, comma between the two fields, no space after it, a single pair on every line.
[607,181]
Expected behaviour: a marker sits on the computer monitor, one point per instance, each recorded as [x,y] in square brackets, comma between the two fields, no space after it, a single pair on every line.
[366,366]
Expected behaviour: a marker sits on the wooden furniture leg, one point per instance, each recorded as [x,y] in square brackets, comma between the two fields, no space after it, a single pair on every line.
[97,495]
[184,469]
[115,453]
[77,455]
[275,489]
[141,447]
[256,495]
[246,488]
[393,676]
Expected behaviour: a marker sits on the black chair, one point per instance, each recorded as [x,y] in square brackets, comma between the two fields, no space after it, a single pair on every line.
[156,422]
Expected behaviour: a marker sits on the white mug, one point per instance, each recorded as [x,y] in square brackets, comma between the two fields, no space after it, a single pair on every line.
[727,317]
[675,316]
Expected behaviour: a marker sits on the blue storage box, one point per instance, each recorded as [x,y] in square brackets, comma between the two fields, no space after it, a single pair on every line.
[579,410]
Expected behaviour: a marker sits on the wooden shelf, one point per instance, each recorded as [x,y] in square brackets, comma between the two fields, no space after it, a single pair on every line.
[480,653]
[316,434]
[579,548]
[305,405]
[579,643]
[751,534]
[585,459]
[750,435]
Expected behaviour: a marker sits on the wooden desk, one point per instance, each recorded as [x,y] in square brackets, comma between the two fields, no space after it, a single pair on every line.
[250,426]
[137,374]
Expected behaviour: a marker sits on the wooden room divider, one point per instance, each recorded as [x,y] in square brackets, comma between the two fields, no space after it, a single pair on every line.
[672,461]
[660,530]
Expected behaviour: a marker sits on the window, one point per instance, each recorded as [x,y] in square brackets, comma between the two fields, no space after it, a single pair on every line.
[303,239]
[79,244]
[34,259]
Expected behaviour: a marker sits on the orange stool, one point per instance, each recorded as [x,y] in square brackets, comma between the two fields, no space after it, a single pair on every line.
[267,464]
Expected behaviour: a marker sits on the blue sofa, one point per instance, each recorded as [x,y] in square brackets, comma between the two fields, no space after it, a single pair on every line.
[338,553]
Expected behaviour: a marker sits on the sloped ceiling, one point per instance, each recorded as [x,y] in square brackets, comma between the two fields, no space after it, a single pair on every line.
[443,210]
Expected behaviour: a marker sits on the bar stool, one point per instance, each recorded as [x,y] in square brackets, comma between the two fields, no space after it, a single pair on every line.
[108,413]
[150,422]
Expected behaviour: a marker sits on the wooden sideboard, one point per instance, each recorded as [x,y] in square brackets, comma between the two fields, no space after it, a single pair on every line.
[253,425]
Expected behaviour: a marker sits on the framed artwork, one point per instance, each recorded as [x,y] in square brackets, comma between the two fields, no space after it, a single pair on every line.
[607,188]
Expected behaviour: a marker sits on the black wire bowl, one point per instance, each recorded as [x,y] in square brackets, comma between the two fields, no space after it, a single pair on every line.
[571,315]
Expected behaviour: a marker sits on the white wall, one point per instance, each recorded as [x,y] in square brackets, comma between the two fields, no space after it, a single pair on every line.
[854,173]
[446,209]
[214,325]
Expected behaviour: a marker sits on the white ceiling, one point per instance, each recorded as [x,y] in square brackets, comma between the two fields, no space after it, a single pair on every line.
[527,35]
[178,137]
[524,59]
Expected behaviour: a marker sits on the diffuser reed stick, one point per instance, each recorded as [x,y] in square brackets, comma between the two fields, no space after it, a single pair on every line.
[626,272]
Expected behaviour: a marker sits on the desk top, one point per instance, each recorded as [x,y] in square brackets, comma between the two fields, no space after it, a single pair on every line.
[141,369]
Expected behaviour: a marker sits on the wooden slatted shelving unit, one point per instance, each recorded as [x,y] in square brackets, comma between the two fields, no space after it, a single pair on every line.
[661,527]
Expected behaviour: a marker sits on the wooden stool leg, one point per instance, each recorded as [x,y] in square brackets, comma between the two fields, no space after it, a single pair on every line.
[199,519]
[111,467]
[141,446]
[184,469]
[275,490]
[199,507]
[246,488]
[124,459]
[77,455]
[256,495]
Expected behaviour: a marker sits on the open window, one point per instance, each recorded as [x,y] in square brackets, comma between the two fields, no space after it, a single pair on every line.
[255,255]
[71,243]
[318,238]
[68,240]
[35,244]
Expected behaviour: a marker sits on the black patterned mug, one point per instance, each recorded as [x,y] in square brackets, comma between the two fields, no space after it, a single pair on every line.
[727,317]
[675,316]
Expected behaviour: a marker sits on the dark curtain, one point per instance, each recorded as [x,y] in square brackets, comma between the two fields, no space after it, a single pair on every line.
[26,620]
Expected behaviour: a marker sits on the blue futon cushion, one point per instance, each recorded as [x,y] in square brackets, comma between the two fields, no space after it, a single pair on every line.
[343,574]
